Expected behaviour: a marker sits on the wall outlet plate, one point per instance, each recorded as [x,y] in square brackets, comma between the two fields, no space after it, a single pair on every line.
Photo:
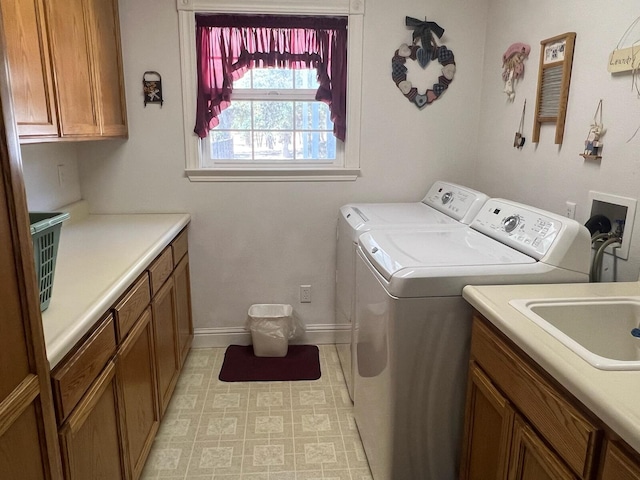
[305,293]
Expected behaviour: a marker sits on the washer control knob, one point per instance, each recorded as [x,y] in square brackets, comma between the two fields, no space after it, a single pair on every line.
[510,223]
[447,197]
[374,249]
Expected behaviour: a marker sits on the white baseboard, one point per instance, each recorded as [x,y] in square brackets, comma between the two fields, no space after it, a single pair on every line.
[320,334]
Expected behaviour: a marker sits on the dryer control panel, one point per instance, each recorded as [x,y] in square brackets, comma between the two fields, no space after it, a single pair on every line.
[458,202]
[524,228]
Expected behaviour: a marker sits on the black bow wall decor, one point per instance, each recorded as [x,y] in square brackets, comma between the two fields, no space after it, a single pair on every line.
[424,31]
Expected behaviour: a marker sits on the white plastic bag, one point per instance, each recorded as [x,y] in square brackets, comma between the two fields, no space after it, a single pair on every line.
[272,326]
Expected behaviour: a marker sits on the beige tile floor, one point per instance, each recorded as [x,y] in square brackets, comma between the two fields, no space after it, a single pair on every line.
[257,430]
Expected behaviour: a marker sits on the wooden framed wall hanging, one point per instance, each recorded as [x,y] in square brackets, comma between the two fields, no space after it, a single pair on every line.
[554,78]
[152,88]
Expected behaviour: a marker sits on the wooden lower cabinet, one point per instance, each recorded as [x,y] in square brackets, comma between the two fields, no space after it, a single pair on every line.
[489,419]
[619,464]
[112,388]
[531,459]
[167,358]
[137,380]
[519,424]
[90,438]
[183,307]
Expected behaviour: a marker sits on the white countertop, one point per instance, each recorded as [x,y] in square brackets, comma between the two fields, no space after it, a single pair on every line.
[614,396]
[99,256]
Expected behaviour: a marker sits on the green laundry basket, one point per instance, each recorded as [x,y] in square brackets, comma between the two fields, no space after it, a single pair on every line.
[45,233]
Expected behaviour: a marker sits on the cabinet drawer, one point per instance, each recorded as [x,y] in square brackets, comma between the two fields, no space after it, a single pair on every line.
[537,399]
[180,247]
[73,377]
[131,306]
[160,270]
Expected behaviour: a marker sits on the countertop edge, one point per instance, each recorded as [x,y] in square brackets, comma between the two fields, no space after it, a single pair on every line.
[58,347]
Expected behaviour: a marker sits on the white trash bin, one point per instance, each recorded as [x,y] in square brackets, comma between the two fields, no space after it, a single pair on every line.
[271,327]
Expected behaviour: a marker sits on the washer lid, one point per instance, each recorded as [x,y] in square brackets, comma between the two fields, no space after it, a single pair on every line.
[393,250]
[367,216]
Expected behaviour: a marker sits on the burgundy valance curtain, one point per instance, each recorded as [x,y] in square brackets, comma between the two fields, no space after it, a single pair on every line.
[229,45]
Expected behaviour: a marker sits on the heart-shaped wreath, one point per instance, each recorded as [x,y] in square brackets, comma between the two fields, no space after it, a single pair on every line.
[423,32]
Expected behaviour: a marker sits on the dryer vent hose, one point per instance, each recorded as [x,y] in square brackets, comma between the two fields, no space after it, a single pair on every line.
[598,223]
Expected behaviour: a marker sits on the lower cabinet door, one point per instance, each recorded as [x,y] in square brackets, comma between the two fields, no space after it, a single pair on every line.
[488,428]
[90,438]
[137,380]
[618,465]
[183,307]
[531,459]
[166,343]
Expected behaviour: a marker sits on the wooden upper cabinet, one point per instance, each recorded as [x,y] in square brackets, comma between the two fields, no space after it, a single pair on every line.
[66,68]
[85,39]
[108,67]
[30,68]
[70,23]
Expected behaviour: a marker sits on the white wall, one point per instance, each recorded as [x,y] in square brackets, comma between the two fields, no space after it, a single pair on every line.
[257,242]
[547,175]
[46,191]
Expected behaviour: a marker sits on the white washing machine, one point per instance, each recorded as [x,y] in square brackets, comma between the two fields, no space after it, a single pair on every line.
[412,326]
[446,205]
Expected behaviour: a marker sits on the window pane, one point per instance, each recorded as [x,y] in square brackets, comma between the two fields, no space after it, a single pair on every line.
[227,145]
[272,78]
[244,82]
[315,145]
[236,117]
[273,115]
[273,145]
[313,116]
[306,78]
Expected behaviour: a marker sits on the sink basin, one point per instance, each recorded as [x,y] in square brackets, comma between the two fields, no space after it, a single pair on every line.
[597,329]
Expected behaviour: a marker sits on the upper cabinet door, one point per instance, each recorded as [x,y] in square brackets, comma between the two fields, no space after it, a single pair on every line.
[30,67]
[77,88]
[108,67]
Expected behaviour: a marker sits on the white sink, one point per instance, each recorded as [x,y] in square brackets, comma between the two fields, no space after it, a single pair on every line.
[597,329]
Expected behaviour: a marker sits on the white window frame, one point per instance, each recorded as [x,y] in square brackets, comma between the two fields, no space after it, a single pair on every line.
[350,170]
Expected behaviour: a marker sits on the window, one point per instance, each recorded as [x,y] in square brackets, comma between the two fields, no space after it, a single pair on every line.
[274,119]
[270,125]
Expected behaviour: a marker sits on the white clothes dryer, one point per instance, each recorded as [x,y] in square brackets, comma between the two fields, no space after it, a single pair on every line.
[446,205]
[412,326]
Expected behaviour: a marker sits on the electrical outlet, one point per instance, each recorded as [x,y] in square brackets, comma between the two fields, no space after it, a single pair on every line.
[62,174]
[571,210]
[305,293]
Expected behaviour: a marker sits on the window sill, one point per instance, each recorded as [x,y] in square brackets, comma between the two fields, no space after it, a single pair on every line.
[272,175]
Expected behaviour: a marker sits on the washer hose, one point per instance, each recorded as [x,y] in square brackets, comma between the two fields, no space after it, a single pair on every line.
[599,236]
[596,266]
[595,238]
